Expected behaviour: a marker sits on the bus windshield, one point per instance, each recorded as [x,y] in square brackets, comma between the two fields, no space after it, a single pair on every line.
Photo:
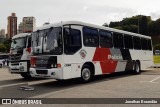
[18,43]
[48,41]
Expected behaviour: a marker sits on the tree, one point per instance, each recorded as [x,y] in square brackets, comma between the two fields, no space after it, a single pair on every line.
[143,25]
[7,44]
[114,24]
[157,47]
[136,24]
[2,48]
[105,24]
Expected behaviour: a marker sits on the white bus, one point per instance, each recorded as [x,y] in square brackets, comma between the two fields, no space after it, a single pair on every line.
[20,52]
[75,49]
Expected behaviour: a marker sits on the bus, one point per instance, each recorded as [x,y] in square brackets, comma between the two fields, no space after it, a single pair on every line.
[20,52]
[76,49]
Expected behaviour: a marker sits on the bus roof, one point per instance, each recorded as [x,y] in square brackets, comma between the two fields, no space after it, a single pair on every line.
[91,25]
[20,35]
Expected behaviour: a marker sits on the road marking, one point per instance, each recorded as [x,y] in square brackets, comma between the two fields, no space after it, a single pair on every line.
[3,86]
[148,82]
[28,83]
[155,79]
[152,81]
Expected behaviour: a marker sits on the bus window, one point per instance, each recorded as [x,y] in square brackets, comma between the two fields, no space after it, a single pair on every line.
[144,43]
[137,42]
[105,39]
[149,45]
[29,41]
[128,42]
[72,40]
[118,40]
[53,40]
[90,37]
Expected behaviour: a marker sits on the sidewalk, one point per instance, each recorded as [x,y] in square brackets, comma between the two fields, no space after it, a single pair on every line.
[156,66]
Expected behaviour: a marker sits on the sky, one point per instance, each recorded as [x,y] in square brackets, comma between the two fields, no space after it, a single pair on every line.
[91,11]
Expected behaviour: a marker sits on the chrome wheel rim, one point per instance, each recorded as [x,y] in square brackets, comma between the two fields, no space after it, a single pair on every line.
[86,74]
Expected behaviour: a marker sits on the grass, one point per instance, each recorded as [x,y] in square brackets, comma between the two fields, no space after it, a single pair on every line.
[156,59]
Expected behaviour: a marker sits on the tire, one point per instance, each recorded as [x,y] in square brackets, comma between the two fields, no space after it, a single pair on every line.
[137,68]
[26,75]
[0,65]
[59,80]
[86,74]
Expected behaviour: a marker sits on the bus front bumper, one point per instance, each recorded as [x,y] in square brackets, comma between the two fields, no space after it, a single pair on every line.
[22,67]
[55,73]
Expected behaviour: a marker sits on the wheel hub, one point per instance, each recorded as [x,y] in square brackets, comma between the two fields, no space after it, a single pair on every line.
[86,74]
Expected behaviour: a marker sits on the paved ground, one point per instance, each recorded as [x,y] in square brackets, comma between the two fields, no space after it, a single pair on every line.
[121,85]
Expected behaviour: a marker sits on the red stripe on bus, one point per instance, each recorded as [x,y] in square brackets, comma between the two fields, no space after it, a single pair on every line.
[102,55]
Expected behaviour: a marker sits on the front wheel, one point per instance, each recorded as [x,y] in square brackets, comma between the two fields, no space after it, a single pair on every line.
[86,74]
[26,75]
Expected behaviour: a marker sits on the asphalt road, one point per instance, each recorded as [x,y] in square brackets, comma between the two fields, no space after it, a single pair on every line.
[119,85]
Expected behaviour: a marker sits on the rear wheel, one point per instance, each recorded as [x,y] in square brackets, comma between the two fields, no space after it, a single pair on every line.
[137,68]
[86,74]
[25,75]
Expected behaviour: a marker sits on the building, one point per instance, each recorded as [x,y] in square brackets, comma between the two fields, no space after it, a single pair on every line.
[2,35]
[29,24]
[12,25]
[20,27]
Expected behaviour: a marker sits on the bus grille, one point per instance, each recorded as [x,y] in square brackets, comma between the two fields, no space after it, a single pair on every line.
[41,71]
[46,62]
[15,58]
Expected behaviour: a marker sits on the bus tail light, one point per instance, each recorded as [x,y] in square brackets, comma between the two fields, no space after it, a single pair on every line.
[33,62]
[58,65]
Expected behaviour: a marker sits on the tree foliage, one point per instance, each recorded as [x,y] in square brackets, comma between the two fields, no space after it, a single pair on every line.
[157,47]
[5,46]
[2,48]
[139,24]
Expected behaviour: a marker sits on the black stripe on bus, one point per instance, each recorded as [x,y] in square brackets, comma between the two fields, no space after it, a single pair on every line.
[129,65]
[126,54]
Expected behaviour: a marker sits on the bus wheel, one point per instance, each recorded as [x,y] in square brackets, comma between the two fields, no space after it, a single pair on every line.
[26,75]
[137,68]
[86,74]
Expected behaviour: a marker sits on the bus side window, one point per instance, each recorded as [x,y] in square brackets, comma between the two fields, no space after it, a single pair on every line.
[29,42]
[128,41]
[149,44]
[105,39]
[72,40]
[90,37]
[118,40]
[144,43]
[137,42]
